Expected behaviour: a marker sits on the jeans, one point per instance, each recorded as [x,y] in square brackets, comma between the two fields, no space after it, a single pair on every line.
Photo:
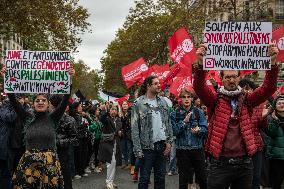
[156,159]
[257,164]
[127,150]
[81,156]
[71,161]
[224,173]
[94,158]
[173,159]
[188,159]
[137,164]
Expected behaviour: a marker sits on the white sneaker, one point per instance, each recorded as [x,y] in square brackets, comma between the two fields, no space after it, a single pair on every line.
[85,175]
[109,186]
[170,173]
[97,170]
[87,170]
[76,177]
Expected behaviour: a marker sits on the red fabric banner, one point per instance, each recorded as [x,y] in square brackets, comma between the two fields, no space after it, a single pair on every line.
[145,74]
[214,74]
[131,73]
[161,71]
[180,83]
[182,49]
[174,70]
[278,36]
[281,90]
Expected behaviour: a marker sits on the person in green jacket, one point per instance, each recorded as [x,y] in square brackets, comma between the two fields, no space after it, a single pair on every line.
[276,144]
[96,129]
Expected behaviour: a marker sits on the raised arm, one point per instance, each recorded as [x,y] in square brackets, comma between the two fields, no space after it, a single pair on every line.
[206,95]
[59,111]
[269,85]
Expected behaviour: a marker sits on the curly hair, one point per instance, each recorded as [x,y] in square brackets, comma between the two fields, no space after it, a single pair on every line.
[147,82]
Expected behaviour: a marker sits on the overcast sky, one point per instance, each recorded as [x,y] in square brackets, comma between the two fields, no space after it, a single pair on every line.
[106,17]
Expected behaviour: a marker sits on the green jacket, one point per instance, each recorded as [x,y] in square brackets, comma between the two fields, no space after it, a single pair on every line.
[96,129]
[275,147]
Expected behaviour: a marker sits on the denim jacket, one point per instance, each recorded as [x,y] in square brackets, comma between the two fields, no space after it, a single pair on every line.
[141,123]
[185,139]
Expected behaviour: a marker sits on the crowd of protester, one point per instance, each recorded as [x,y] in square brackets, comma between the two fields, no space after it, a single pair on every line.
[209,138]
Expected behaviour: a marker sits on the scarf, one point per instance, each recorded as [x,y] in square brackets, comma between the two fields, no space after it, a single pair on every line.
[234,93]
[234,99]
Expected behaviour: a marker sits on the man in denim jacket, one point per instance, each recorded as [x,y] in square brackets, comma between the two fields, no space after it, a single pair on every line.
[190,128]
[151,133]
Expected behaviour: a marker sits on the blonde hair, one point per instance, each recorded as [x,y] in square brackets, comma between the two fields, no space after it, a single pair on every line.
[185,91]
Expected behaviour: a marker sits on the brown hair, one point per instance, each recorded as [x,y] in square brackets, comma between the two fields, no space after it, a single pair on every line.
[222,73]
[148,81]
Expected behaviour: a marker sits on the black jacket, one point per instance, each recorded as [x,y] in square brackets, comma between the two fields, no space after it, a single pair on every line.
[7,117]
[66,132]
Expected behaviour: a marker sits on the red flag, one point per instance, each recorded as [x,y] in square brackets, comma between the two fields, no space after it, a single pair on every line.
[184,71]
[161,71]
[132,72]
[278,35]
[180,83]
[173,72]
[246,72]
[145,74]
[181,46]
[122,99]
[213,74]
[281,90]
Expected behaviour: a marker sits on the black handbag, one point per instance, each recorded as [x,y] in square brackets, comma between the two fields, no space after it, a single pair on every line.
[107,137]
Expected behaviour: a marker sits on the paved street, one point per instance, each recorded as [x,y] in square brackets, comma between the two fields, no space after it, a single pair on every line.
[122,179]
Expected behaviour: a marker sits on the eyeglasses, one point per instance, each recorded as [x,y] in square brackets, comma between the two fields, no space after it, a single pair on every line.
[229,77]
[40,100]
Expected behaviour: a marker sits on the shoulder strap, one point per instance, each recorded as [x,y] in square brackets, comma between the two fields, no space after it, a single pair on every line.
[196,114]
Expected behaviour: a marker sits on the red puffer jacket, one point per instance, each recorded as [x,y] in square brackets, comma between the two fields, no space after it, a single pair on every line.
[219,111]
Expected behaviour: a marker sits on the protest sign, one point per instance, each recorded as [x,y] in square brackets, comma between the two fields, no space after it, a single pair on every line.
[237,45]
[181,47]
[37,72]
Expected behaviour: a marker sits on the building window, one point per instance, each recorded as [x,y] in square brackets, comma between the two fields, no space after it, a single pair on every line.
[279,9]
